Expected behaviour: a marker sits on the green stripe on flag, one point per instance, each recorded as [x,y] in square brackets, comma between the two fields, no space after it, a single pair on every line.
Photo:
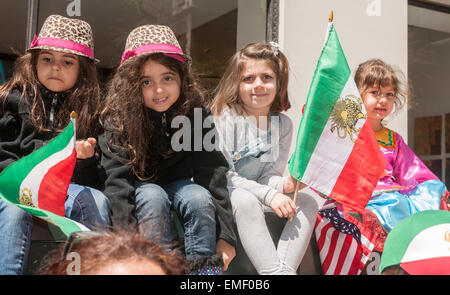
[13,175]
[330,77]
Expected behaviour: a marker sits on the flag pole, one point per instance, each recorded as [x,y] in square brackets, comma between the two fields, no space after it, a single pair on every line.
[73,118]
[297,186]
[297,183]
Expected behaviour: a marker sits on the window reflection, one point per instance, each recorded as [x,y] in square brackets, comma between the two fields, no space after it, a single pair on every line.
[427,136]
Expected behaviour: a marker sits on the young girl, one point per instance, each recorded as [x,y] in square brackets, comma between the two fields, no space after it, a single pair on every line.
[255,137]
[155,164]
[407,185]
[55,77]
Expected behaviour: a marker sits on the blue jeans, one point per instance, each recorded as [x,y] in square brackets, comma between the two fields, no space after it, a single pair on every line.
[193,204]
[83,204]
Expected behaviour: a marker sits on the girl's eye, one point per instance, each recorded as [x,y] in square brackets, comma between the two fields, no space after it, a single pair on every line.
[46,59]
[267,77]
[374,92]
[247,79]
[168,78]
[146,83]
[68,63]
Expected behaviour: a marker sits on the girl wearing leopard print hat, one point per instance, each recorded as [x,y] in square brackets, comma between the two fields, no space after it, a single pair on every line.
[152,170]
[57,75]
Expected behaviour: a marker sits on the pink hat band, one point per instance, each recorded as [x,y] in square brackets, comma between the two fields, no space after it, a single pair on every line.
[64,44]
[166,49]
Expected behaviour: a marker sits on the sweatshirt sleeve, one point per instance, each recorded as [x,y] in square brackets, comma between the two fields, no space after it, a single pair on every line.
[119,183]
[87,173]
[14,133]
[210,168]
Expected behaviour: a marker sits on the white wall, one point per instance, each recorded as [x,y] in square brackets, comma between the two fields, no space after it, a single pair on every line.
[366,29]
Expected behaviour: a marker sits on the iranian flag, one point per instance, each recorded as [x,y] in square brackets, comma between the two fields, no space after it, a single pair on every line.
[38,183]
[336,152]
[420,244]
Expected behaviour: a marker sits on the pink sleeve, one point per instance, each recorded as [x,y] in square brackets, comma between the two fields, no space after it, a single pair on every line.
[408,168]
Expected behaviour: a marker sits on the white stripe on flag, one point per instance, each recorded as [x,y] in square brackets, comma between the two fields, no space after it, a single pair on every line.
[340,150]
[367,247]
[49,220]
[33,180]
[81,226]
[319,227]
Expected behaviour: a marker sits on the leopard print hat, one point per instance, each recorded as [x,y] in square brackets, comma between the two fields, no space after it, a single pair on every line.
[64,34]
[149,39]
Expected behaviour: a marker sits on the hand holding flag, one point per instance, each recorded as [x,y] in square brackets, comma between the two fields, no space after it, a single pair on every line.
[38,183]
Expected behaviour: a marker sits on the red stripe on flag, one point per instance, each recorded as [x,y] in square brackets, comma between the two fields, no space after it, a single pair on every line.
[355,267]
[331,251]
[343,255]
[54,185]
[323,235]
[361,172]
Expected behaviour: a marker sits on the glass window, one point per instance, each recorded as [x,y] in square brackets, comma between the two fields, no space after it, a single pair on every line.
[429,72]
[435,166]
[427,136]
[13,23]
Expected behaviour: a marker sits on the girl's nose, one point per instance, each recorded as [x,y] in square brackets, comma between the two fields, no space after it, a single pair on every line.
[159,89]
[382,98]
[258,82]
[55,66]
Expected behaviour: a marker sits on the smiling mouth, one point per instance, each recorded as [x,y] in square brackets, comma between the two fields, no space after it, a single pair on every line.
[160,100]
[259,95]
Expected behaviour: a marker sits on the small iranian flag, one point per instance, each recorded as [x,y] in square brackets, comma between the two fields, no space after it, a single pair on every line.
[336,152]
[420,244]
[38,183]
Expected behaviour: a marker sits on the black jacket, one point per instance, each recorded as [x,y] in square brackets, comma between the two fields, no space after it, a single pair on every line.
[207,168]
[18,136]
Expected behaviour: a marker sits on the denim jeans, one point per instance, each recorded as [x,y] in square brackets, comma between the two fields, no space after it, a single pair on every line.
[193,204]
[83,204]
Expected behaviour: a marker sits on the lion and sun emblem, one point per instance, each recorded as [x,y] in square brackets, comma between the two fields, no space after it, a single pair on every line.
[344,116]
[25,197]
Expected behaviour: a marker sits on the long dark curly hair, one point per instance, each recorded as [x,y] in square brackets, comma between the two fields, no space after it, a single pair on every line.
[83,98]
[131,122]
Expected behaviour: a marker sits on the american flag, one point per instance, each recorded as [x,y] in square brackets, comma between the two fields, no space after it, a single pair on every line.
[344,247]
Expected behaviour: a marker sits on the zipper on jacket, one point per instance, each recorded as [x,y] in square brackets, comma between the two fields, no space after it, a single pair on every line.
[164,125]
[52,110]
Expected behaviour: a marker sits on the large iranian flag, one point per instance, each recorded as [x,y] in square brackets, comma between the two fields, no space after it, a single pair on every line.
[336,152]
[38,183]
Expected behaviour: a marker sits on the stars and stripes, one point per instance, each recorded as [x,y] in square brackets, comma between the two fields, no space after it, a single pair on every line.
[344,247]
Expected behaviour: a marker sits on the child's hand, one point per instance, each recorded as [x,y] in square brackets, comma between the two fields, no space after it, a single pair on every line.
[85,148]
[283,206]
[228,252]
[290,183]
